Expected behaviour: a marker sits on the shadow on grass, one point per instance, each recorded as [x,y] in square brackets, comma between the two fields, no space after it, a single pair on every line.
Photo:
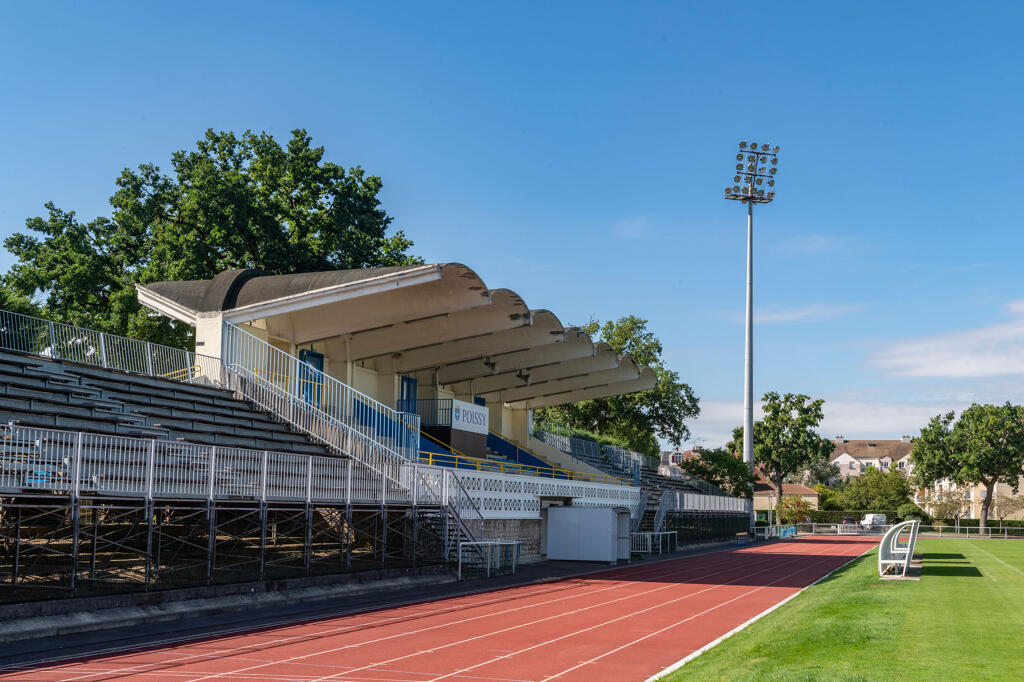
[942,556]
[952,571]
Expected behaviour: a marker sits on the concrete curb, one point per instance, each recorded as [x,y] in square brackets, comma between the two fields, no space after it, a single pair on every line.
[107,619]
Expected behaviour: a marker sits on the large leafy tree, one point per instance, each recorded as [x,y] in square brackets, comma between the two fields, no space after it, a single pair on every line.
[785,441]
[984,446]
[232,202]
[875,490]
[721,467]
[638,419]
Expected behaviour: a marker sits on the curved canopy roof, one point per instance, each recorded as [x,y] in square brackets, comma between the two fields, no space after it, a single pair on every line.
[442,317]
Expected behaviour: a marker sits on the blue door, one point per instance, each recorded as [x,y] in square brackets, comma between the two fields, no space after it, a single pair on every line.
[311,378]
[407,399]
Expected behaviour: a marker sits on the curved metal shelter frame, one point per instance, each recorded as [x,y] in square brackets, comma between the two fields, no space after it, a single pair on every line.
[894,555]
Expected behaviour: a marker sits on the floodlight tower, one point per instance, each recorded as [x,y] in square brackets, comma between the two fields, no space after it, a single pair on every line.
[754,183]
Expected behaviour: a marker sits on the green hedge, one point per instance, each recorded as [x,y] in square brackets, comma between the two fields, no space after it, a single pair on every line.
[836,516]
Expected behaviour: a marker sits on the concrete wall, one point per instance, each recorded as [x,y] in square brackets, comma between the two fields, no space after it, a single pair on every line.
[527,531]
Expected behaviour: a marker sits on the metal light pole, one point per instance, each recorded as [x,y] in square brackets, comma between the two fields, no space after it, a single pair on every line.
[754,184]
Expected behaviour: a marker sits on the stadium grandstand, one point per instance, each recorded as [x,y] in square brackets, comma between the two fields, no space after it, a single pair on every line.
[324,423]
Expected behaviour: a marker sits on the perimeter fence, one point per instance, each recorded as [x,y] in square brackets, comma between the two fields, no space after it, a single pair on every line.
[936,531]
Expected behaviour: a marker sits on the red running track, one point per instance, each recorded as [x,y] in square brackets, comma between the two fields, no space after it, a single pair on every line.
[622,624]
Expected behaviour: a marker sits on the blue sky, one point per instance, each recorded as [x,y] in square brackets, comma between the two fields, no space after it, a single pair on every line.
[577,153]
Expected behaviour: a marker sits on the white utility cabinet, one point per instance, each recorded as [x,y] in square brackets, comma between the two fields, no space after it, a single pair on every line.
[587,534]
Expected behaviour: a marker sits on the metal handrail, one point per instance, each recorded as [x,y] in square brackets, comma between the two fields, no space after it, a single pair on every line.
[432,411]
[73,462]
[60,341]
[575,475]
[396,431]
[314,422]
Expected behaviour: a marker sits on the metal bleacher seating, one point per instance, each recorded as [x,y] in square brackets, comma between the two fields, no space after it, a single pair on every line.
[36,391]
[618,461]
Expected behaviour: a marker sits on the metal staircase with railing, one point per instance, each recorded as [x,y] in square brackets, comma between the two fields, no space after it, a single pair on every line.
[348,424]
[346,421]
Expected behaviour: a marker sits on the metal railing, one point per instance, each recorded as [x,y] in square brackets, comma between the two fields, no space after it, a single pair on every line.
[675,501]
[60,341]
[775,532]
[460,460]
[432,412]
[314,422]
[934,531]
[664,542]
[57,461]
[397,432]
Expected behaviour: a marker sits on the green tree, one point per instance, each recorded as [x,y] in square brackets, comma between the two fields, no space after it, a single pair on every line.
[792,509]
[16,301]
[232,202]
[985,446]
[721,467]
[784,440]
[1005,507]
[827,497]
[875,489]
[820,470]
[948,504]
[909,510]
[638,419]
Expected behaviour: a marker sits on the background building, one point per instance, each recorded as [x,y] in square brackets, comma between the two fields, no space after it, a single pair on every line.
[854,457]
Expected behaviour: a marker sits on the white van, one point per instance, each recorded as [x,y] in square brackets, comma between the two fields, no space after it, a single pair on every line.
[870,520]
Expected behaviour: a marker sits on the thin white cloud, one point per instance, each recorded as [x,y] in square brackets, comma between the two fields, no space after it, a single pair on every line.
[815,312]
[993,351]
[849,418]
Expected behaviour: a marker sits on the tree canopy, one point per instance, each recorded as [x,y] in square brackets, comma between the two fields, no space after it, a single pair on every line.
[874,489]
[721,467]
[785,441]
[792,509]
[984,446]
[232,202]
[638,419]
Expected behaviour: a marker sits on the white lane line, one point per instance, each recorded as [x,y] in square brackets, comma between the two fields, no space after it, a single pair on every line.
[614,620]
[579,580]
[647,570]
[449,607]
[694,654]
[1009,566]
[677,572]
[541,620]
[298,621]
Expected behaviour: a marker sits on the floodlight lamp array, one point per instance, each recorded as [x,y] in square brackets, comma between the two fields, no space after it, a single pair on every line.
[756,166]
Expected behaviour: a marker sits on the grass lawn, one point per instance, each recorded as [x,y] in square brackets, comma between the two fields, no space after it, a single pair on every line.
[964,620]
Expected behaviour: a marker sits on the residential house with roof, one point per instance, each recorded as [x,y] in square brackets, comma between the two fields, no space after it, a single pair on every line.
[855,457]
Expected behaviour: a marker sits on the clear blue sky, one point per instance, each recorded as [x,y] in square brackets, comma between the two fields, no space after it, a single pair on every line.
[577,154]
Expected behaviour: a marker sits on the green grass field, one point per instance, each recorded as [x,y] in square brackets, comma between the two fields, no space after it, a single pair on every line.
[964,620]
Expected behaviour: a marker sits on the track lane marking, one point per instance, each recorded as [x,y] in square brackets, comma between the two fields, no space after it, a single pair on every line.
[826,555]
[541,620]
[720,559]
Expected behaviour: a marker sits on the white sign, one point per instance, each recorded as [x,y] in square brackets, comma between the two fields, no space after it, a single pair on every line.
[469,417]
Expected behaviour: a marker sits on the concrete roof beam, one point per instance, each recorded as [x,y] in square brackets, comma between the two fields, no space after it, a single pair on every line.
[626,371]
[546,329]
[648,380]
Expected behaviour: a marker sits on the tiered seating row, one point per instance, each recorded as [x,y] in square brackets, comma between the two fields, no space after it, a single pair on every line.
[35,391]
